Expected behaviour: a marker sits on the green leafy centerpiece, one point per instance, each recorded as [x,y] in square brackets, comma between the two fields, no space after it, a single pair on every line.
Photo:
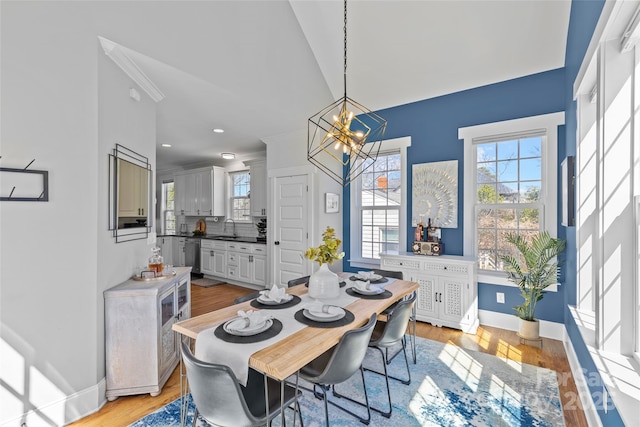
[324,283]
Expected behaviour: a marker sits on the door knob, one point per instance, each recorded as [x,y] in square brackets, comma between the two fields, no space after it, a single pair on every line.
[276,242]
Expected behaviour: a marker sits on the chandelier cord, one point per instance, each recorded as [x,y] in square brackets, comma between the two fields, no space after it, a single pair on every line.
[345,49]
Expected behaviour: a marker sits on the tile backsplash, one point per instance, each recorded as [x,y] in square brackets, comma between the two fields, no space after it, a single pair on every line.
[244,229]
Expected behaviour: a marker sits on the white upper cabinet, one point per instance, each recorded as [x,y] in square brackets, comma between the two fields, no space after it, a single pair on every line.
[200,192]
[258,171]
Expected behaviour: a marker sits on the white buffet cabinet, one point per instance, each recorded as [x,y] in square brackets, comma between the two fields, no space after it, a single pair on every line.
[235,261]
[141,348]
[448,287]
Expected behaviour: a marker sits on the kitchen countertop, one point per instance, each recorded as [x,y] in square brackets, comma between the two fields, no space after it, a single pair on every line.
[243,239]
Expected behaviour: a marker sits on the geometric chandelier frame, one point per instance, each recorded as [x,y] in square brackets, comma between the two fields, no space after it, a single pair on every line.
[344,134]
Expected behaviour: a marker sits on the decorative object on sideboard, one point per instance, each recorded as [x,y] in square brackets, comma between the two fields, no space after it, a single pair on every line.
[324,283]
[534,267]
[435,193]
[428,240]
[345,134]
[32,185]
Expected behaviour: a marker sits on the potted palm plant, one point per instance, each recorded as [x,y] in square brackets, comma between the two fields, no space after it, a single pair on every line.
[534,268]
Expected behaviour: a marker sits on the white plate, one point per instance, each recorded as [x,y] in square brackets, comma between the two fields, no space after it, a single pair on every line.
[324,317]
[372,278]
[372,291]
[245,332]
[286,299]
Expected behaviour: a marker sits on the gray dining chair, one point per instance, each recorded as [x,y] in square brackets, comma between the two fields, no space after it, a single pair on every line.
[222,401]
[338,364]
[386,312]
[385,335]
[247,297]
[298,281]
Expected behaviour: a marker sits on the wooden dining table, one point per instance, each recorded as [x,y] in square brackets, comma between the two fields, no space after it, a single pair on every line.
[285,357]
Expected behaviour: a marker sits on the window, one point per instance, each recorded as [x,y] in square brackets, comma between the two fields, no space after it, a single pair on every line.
[510,186]
[168,214]
[240,190]
[378,200]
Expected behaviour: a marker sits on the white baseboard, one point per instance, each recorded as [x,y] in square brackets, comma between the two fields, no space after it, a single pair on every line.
[581,384]
[509,322]
[64,411]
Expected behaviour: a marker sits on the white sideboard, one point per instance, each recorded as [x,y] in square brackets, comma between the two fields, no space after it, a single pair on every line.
[141,348]
[448,287]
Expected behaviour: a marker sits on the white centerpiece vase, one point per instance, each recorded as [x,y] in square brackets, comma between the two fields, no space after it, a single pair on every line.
[324,283]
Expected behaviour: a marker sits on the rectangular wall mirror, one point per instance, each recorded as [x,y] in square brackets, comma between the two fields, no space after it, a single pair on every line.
[129,195]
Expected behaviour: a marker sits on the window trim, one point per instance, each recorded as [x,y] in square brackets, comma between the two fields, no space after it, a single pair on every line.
[232,198]
[389,145]
[163,206]
[498,130]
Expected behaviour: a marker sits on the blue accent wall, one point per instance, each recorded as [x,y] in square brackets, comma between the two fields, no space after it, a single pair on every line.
[433,126]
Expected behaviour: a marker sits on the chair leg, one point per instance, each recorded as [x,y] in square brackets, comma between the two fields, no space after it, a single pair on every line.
[325,393]
[386,414]
[195,417]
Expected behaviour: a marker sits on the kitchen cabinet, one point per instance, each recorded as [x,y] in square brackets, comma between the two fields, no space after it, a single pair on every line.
[258,171]
[448,288]
[247,263]
[200,192]
[166,249]
[236,261]
[133,197]
[213,257]
[141,348]
[179,257]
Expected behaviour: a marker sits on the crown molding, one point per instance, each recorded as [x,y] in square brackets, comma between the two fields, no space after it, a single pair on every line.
[128,65]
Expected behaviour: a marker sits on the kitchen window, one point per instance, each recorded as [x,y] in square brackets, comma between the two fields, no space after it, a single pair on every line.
[168,214]
[240,201]
[378,205]
[510,186]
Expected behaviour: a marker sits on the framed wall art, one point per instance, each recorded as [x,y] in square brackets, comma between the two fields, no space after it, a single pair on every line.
[331,203]
[435,194]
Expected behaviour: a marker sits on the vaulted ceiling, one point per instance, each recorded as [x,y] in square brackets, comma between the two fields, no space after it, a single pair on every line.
[259,69]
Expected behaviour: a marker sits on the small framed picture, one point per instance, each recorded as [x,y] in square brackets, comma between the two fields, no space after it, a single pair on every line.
[332,203]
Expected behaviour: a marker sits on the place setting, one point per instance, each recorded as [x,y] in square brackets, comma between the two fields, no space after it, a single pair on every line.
[321,315]
[369,276]
[367,290]
[249,327]
[274,299]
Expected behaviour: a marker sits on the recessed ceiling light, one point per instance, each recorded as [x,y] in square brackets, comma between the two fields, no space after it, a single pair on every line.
[166,145]
[228,156]
[218,130]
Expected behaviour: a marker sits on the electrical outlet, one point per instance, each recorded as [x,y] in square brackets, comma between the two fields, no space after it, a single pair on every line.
[500,297]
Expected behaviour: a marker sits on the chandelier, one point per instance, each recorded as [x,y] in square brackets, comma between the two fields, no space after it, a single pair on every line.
[344,133]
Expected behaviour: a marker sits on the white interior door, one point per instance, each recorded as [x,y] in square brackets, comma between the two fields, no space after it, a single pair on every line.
[291,228]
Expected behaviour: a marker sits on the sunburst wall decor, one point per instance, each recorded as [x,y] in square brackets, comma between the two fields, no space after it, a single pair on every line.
[435,194]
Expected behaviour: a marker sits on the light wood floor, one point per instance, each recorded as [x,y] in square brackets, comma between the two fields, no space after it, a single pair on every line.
[495,341]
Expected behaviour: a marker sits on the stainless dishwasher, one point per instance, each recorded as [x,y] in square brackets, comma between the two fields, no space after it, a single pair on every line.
[192,254]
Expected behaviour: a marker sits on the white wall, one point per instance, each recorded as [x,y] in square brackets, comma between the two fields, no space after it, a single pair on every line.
[57,257]
[289,150]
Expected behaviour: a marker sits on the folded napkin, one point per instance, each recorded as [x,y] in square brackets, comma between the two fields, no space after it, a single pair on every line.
[248,319]
[368,275]
[363,286]
[275,294]
[318,307]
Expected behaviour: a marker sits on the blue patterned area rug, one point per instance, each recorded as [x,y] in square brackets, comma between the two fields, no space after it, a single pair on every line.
[450,386]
